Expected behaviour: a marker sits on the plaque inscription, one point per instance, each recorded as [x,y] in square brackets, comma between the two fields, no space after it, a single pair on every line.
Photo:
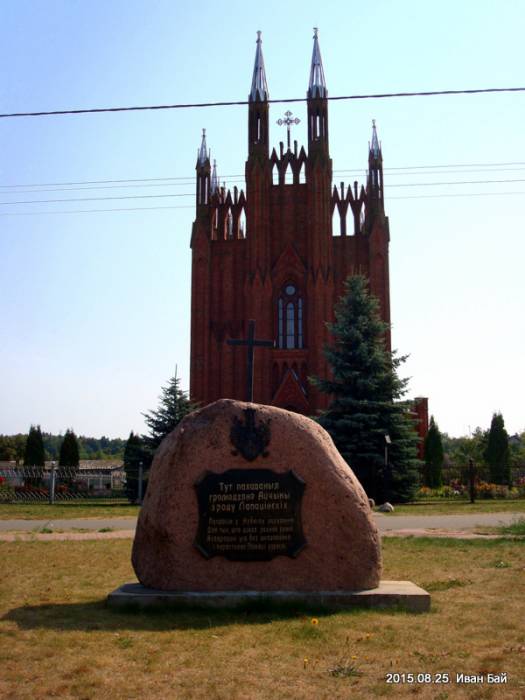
[250,514]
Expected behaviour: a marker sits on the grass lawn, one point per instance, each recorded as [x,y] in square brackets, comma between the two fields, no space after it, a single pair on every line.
[57,639]
[121,508]
[462,507]
[101,508]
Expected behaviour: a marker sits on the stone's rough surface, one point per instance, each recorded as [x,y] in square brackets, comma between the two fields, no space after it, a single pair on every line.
[342,549]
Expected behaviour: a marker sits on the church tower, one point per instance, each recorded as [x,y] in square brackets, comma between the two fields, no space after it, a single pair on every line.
[270,254]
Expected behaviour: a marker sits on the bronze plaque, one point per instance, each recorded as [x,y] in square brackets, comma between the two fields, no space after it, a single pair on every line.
[250,514]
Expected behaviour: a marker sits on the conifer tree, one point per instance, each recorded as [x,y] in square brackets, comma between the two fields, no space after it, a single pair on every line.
[366,393]
[134,454]
[433,456]
[497,453]
[34,454]
[174,404]
[69,454]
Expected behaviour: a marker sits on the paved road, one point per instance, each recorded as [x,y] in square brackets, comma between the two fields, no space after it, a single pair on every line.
[385,523]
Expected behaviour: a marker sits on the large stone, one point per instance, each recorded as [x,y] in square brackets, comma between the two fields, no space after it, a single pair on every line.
[342,550]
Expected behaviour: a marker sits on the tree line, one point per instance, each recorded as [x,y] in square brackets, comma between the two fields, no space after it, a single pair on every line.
[493,452]
[13,447]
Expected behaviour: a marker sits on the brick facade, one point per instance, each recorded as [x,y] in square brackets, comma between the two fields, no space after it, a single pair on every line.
[270,254]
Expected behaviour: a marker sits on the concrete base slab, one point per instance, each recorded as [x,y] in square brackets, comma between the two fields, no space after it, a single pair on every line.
[389,594]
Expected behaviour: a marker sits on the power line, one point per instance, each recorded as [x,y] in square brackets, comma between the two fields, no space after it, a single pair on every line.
[455,194]
[192,194]
[230,178]
[92,211]
[190,179]
[453,182]
[195,105]
[98,199]
[191,206]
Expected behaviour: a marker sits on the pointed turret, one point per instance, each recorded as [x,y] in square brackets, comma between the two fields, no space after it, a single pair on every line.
[259,89]
[317,84]
[202,154]
[318,169]
[374,188]
[203,175]
[214,184]
[258,106]
[317,104]
[375,148]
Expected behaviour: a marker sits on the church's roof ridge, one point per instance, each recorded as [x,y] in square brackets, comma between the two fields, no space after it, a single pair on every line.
[317,84]
[259,90]
[203,155]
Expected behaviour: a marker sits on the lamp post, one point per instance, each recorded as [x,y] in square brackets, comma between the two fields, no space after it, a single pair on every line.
[388,442]
[387,473]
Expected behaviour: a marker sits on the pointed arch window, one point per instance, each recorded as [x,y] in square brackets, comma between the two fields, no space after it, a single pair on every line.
[290,318]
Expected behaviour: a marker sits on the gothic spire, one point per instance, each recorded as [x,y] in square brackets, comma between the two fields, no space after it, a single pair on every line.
[317,84]
[375,148]
[202,155]
[214,185]
[259,89]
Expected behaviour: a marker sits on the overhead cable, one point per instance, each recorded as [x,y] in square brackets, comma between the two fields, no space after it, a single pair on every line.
[232,103]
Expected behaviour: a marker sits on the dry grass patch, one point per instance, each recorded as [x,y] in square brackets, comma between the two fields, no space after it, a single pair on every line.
[57,639]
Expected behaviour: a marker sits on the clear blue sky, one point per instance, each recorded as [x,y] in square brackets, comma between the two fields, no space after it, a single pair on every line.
[94,307]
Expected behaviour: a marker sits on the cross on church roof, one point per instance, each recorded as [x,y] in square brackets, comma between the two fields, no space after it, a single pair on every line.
[288,121]
[250,344]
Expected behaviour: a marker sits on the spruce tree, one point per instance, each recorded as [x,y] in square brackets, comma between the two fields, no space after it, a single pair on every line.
[366,392]
[34,454]
[133,455]
[174,404]
[433,456]
[69,454]
[497,453]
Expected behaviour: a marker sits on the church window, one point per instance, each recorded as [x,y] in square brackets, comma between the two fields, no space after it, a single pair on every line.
[242,224]
[290,325]
[281,323]
[300,323]
[275,174]
[290,310]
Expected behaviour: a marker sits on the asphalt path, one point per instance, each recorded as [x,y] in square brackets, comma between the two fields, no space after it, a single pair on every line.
[385,523]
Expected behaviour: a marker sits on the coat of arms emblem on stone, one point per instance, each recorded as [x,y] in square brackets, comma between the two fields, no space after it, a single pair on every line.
[249,438]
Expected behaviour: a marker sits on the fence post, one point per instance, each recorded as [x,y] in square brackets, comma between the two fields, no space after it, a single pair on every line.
[140,484]
[52,485]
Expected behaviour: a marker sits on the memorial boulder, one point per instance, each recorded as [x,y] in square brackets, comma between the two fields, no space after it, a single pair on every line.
[245,497]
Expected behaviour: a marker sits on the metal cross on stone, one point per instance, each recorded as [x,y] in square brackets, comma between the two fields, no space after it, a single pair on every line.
[288,121]
[250,344]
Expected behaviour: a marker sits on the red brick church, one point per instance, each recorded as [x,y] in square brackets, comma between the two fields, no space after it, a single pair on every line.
[275,254]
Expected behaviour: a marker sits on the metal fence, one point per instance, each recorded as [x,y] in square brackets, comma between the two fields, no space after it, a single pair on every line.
[456,472]
[60,483]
